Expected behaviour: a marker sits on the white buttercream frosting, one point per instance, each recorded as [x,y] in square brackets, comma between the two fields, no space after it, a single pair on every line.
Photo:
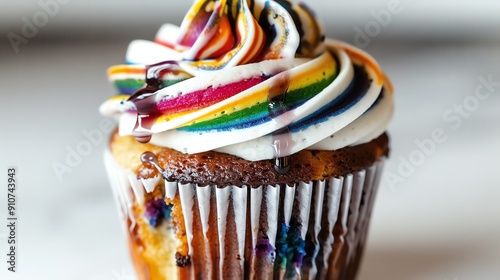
[273,90]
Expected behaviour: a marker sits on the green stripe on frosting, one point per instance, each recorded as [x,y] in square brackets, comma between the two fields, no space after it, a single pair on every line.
[131,85]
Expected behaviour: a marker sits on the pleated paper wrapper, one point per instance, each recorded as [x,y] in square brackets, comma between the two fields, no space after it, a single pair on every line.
[309,230]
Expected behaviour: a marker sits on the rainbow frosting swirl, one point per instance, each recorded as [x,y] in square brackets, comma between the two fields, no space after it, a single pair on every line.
[256,79]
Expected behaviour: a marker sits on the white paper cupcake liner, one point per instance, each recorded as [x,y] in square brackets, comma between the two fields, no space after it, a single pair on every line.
[309,230]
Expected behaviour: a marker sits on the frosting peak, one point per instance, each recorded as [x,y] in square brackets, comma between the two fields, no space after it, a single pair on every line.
[226,33]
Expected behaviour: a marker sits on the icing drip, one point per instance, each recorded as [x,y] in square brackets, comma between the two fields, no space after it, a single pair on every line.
[150,158]
[145,102]
[277,106]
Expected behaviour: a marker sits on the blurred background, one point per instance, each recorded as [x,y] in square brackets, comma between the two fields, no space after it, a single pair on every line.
[437,213]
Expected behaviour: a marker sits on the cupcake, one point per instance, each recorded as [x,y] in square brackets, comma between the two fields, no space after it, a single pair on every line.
[248,146]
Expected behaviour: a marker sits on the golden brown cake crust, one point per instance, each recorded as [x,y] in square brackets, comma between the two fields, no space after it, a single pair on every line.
[224,169]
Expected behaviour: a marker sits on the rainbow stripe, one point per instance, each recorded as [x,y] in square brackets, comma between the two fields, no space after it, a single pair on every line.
[233,103]
[129,78]
[259,112]
[253,108]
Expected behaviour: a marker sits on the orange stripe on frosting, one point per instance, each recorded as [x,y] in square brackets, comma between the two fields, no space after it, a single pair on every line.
[126,69]
[360,56]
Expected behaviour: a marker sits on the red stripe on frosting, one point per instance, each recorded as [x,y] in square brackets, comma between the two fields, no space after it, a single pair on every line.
[206,97]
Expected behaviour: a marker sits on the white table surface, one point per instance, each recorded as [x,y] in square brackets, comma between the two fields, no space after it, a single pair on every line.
[441,223]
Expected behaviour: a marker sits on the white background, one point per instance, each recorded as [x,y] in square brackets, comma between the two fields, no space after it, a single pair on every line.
[441,223]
